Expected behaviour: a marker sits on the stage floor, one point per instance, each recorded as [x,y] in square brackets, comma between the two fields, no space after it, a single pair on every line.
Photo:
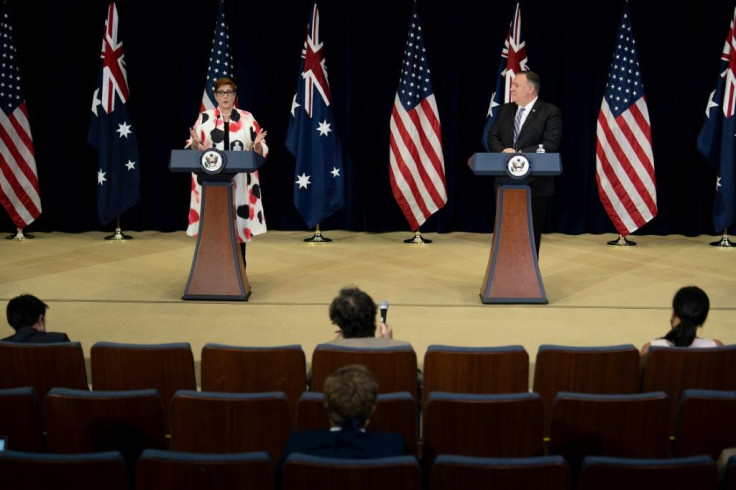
[598,294]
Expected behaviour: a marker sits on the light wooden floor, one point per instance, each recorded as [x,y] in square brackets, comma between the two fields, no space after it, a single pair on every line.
[598,294]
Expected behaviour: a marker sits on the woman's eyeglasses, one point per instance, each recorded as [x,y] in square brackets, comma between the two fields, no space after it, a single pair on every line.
[222,93]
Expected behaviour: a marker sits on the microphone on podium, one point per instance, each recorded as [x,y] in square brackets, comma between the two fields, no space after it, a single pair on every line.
[384,310]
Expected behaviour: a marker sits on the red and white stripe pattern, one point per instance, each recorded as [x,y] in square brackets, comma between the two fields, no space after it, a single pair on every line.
[624,158]
[417,169]
[18,177]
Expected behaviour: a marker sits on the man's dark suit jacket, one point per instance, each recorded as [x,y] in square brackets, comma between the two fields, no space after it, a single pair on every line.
[543,125]
[29,335]
[345,444]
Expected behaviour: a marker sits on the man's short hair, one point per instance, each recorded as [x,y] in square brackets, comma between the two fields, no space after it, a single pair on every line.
[350,395]
[355,313]
[533,78]
[24,311]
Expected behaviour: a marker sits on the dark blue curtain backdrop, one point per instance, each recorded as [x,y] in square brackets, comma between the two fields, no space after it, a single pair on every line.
[167,46]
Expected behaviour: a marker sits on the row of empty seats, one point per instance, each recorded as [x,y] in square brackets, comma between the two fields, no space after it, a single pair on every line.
[157,469]
[487,370]
[496,425]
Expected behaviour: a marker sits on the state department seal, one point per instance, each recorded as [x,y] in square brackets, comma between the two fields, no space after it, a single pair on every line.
[212,161]
[518,167]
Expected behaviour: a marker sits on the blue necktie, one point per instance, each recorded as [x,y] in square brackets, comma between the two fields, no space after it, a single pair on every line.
[517,124]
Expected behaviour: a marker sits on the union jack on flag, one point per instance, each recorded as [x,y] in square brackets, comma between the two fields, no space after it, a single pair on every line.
[717,139]
[417,166]
[18,178]
[111,131]
[319,188]
[513,61]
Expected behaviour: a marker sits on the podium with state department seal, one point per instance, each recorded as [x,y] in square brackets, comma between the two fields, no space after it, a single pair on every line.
[512,274]
[218,269]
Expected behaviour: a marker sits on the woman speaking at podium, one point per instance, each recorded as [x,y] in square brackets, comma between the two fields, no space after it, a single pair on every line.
[228,128]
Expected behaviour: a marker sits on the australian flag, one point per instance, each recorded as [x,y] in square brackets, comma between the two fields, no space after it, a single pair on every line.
[717,139]
[111,131]
[319,188]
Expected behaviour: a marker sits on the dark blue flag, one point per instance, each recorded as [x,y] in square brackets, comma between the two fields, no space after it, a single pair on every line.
[319,188]
[717,139]
[513,61]
[111,131]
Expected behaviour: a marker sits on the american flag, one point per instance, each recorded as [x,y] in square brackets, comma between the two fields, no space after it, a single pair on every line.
[319,189]
[513,61]
[717,139]
[624,159]
[111,130]
[18,178]
[417,169]
[247,193]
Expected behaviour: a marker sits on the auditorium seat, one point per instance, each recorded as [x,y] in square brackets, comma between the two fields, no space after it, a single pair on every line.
[500,425]
[625,425]
[394,367]
[210,422]
[706,423]
[156,470]
[601,370]
[483,370]
[20,422]
[395,412]
[42,366]
[235,369]
[164,367]
[84,471]
[674,369]
[610,473]
[306,472]
[451,472]
[79,421]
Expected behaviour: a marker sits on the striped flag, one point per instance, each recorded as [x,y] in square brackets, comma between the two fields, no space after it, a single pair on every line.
[417,169]
[717,139]
[513,61]
[624,159]
[250,219]
[18,177]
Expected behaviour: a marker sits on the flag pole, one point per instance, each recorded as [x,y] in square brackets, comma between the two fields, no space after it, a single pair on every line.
[724,241]
[622,241]
[19,235]
[317,237]
[119,235]
[417,238]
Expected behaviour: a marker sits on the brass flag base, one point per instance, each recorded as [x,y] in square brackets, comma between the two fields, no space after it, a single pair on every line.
[318,237]
[19,236]
[723,242]
[118,236]
[417,238]
[621,241]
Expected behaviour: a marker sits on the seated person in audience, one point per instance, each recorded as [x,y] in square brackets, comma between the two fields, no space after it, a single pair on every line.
[27,315]
[689,310]
[350,396]
[354,312]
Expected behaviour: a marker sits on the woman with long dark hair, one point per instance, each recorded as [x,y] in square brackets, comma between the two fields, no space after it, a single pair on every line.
[689,310]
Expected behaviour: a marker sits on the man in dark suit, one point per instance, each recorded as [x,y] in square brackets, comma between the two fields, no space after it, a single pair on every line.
[350,395]
[521,127]
[27,315]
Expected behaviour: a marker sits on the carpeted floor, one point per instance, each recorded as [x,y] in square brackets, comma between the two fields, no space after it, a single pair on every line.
[130,291]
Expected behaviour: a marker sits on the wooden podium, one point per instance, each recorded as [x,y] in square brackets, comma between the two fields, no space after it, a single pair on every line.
[218,270]
[512,275]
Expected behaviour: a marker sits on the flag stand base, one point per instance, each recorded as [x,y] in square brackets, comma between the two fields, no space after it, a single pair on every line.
[19,236]
[723,242]
[119,236]
[317,237]
[621,241]
[417,238]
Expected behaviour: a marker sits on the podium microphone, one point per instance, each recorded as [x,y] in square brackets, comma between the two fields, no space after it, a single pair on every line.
[384,310]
